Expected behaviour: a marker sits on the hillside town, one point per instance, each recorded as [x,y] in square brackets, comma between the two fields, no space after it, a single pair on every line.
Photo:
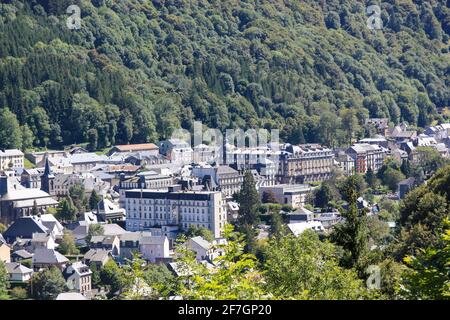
[77,210]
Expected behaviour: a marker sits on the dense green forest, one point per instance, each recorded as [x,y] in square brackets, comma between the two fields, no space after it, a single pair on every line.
[137,69]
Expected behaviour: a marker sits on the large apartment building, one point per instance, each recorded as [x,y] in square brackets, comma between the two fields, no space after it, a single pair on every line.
[305,163]
[223,178]
[366,156]
[177,151]
[173,206]
[143,180]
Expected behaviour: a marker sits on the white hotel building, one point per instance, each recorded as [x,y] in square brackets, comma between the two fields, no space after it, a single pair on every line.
[146,208]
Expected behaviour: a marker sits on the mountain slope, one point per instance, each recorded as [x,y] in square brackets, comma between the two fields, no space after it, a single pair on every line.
[138,69]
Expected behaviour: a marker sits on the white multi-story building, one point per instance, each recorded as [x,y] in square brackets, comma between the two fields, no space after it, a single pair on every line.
[223,178]
[11,159]
[150,208]
[367,156]
[207,154]
[293,194]
[143,180]
[63,182]
[78,277]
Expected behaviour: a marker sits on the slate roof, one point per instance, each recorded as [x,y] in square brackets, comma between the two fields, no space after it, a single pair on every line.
[51,221]
[24,254]
[15,268]
[152,240]
[48,256]
[364,147]
[202,242]
[226,170]
[11,153]
[24,227]
[112,229]
[103,239]
[96,255]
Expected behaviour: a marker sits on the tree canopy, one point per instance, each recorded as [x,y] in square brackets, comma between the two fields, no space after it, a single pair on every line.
[138,69]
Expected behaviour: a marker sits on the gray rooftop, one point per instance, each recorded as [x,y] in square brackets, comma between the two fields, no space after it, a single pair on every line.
[17,268]
[96,255]
[48,256]
[202,242]
[24,227]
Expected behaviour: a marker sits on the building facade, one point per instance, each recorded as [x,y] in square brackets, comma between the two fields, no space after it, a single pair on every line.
[11,159]
[366,156]
[78,277]
[17,201]
[177,151]
[144,180]
[294,195]
[305,163]
[149,208]
[224,178]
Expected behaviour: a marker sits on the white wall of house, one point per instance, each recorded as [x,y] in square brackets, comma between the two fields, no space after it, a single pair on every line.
[153,251]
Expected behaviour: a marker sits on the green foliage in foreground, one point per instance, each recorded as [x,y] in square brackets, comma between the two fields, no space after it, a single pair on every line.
[307,268]
[4,281]
[48,284]
[430,275]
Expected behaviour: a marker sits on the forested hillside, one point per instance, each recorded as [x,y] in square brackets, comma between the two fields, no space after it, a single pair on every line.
[139,68]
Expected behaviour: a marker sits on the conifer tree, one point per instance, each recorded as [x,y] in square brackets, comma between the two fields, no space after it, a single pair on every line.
[94,199]
[353,234]
[248,209]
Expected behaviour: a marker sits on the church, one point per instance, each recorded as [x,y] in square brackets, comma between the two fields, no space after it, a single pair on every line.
[17,201]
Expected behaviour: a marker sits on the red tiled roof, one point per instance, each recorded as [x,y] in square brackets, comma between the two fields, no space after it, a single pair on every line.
[123,168]
[137,147]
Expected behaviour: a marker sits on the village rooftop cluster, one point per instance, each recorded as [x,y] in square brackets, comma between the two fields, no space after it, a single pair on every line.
[149,194]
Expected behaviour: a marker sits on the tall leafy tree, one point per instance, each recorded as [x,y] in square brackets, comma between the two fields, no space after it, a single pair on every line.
[10,133]
[371,178]
[429,278]
[323,196]
[113,277]
[95,230]
[48,284]
[236,275]
[27,137]
[421,215]
[67,245]
[66,210]
[307,268]
[77,193]
[349,124]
